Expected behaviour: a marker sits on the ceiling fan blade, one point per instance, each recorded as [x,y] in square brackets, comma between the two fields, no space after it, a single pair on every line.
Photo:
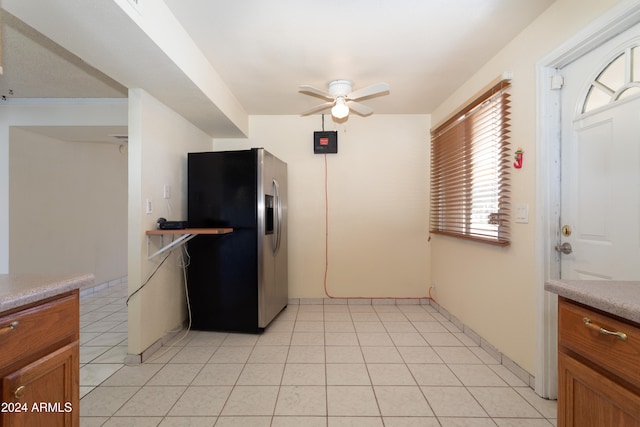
[318,108]
[361,109]
[369,90]
[314,91]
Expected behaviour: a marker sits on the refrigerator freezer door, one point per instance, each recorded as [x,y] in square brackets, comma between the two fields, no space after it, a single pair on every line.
[272,237]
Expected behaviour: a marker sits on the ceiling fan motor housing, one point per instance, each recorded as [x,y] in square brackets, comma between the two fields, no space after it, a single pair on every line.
[340,88]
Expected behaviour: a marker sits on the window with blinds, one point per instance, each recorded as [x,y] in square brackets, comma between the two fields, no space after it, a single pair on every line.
[470,163]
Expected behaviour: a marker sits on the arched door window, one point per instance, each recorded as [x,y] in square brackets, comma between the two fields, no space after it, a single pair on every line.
[618,80]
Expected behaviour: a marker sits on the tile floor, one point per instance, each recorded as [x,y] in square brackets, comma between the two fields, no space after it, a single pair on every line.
[331,366]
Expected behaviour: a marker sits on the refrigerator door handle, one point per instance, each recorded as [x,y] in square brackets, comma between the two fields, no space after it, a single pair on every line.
[278,219]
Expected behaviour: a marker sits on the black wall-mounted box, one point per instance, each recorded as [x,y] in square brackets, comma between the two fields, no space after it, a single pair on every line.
[325,142]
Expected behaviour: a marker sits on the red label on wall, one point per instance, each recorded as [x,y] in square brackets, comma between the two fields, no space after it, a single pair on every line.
[324,141]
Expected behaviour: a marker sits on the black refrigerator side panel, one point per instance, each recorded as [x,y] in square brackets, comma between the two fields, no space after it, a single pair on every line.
[222,282]
[222,189]
[223,270]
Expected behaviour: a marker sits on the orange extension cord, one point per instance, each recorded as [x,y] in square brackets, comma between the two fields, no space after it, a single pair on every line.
[326,246]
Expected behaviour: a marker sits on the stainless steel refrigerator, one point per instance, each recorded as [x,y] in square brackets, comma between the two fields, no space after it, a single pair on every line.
[237,281]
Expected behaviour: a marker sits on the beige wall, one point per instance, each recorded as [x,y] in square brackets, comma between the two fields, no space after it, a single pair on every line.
[159,140]
[378,203]
[31,113]
[493,290]
[67,206]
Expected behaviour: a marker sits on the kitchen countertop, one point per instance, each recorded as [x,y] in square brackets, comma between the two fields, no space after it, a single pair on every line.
[17,290]
[620,298]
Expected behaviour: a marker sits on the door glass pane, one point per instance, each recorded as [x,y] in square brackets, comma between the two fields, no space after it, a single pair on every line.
[596,98]
[613,76]
[616,81]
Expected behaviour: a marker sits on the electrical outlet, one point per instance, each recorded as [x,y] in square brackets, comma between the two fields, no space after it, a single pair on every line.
[149,207]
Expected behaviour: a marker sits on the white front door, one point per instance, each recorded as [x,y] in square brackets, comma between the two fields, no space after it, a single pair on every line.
[600,163]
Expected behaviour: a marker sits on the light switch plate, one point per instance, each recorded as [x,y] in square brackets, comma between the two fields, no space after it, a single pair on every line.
[522,214]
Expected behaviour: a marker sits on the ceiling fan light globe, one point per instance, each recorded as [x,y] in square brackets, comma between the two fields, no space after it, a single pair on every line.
[340,110]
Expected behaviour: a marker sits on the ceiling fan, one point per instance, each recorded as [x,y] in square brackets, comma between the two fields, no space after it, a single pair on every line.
[341,98]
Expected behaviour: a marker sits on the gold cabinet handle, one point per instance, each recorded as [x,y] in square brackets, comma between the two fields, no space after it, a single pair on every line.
[19,392]
[10,327]
[620,335]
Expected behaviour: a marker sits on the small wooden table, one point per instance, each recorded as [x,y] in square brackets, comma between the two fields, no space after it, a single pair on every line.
[184,234]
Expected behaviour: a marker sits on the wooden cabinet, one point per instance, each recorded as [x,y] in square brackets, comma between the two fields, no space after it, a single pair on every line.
[598,368]
[39,364]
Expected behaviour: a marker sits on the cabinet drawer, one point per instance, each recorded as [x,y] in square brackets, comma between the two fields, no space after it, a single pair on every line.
[28,332]
[579,331]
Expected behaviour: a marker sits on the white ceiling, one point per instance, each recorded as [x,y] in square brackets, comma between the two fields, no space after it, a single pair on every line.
[36,67]
[262,50]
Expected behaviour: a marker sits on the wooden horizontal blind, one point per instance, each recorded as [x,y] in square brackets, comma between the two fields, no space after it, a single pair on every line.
[470,163]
